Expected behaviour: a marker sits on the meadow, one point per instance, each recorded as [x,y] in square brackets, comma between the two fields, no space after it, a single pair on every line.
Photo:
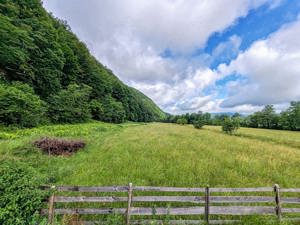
[160,154]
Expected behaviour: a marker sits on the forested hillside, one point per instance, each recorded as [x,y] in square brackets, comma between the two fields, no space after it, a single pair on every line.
[48,75]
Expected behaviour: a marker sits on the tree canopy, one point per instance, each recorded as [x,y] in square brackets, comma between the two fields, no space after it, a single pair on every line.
[41,51]
[288,119]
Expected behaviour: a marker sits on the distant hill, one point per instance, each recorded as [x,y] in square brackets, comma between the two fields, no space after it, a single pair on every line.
[41,51]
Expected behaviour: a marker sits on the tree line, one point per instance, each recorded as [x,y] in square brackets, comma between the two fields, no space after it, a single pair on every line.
[47,74]
[288,119]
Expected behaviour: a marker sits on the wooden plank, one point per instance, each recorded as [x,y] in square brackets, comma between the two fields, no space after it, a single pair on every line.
[190,199]
[168,189]
[93,188]
[179,222]
[215,210]
[134,211]
[128,211]
[242,210]
[90,199]
[291,200]
[172,222]
[290,210]
[183,222]
[167,211]
[87,211]
[291,190]
[259,189]
[241,199]
[252,199]
[175,189]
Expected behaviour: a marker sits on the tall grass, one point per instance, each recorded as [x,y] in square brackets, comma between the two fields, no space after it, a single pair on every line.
[162,154]
[282,137]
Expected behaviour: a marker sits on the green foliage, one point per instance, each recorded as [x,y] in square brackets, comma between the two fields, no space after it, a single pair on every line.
[114,219]
[113,111]
[20,196]
[70,105]
[219,119]
[97,109]
[41,51]
[290,119]
[206,117]
[198,124]
[266,118]
[229,125]
[20,106]
[266,220]
[182,121]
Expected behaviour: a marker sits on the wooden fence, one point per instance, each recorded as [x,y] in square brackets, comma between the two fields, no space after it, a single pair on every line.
[206,202]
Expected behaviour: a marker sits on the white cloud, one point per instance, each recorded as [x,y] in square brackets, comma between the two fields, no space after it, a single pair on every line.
[272,68]
[129,36]
[183,95]
[134,61]
[177,24]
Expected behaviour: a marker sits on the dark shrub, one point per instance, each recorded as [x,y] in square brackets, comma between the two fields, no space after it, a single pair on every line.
[96,109]
[229,125]
[20,195]
[20,106]
[70,105]
[54,146]
[113,111]
[181,121]
[198,124]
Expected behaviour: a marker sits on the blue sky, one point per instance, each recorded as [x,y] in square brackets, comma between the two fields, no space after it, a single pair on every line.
[258,24]
[191,55]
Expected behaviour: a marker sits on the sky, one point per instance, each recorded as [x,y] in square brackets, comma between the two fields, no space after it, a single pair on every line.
[195,55]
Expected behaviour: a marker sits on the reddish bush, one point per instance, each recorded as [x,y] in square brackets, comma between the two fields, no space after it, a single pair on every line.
[53,146]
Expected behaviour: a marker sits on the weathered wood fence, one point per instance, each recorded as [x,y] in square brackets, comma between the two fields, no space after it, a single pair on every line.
[207,202]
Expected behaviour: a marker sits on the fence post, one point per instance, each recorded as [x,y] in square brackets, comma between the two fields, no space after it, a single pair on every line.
[206,207]
[129,204]
[51,207]
[277,201]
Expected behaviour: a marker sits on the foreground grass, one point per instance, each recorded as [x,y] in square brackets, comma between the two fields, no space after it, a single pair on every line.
[163,155]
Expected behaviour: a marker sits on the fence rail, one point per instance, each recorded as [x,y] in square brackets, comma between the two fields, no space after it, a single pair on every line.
[206,203]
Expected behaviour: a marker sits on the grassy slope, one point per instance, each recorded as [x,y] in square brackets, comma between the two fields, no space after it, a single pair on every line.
[163,154]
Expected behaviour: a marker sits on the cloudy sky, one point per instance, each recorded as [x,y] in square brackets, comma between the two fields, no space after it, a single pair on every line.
[190,55]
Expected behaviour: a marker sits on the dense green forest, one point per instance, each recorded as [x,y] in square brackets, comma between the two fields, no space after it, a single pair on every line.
[48,76]
[288,119]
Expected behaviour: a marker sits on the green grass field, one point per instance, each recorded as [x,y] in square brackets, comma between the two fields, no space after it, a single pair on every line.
[160,154]
[163,154]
